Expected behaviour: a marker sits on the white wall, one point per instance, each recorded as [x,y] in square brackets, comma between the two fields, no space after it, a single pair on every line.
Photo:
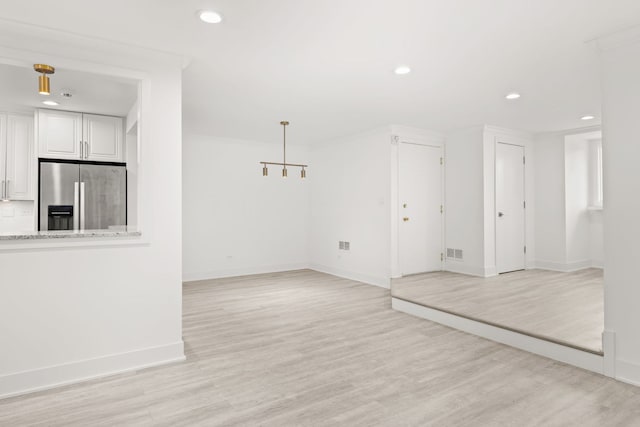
[131,156]
[464,200]
[470,197]
[237,222]
[596,239]
[621,151]
[568,235]
[75,310]
[350,194]
[16,216]
[576,158]
[550,232]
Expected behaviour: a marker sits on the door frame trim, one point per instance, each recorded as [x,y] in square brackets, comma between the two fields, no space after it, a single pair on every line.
[396,140]
[497,141]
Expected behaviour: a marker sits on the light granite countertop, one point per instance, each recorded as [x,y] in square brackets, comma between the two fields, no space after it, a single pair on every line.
[69,234]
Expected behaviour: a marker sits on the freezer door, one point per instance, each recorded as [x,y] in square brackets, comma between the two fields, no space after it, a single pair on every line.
[103,195]
[58,187]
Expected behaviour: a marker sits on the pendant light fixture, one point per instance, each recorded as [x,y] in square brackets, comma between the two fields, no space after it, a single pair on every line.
[284,164]
[43,79]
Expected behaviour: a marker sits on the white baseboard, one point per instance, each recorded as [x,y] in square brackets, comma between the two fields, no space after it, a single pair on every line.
[84,370]
[582,359]
[221,274]
[609,349]
[628,372]
[383,282]
[490,271]
[563,267]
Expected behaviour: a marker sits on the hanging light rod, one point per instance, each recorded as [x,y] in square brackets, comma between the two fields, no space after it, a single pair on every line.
[284,164]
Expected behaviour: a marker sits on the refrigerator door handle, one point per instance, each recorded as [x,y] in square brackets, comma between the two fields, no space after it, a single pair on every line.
[2,191]
[76,202]
[82,206]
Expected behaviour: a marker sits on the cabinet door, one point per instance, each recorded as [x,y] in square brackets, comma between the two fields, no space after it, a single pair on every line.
[59,134]
[104,138]
[20,159]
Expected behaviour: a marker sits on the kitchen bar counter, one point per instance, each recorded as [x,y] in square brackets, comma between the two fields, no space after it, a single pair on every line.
[71,234]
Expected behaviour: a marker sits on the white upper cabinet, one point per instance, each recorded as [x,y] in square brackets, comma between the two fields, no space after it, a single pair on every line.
[20,158]
[16,157]
[78,136]
[103,136]
[59,134]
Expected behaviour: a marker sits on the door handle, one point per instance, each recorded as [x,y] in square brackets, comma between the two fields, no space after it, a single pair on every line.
[76,205]
[405,219]
[500,214]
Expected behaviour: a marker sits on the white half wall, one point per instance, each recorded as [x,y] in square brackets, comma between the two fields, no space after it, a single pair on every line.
[350,194]
[621,151]
[236,221]
[76,310]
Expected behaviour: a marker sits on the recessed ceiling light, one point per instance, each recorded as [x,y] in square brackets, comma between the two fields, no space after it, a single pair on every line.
[210,17]
[403,69]
[587,117]
[513,95]
[52,103]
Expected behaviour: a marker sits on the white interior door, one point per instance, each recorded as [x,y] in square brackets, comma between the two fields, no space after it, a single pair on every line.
[420,191]
[510,208]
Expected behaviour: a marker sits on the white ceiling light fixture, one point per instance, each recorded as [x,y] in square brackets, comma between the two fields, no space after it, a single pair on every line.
[284,164]
[210,16]
[50,103]
[402,70]
[587,117]
[513,95]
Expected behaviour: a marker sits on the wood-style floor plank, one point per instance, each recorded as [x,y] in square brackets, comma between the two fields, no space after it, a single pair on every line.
[562,307]
[308,349]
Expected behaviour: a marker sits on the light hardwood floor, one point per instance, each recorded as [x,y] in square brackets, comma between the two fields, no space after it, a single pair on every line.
[567,308]
[305,348]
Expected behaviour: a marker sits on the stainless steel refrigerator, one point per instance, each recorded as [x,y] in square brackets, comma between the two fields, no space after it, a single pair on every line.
[82,196]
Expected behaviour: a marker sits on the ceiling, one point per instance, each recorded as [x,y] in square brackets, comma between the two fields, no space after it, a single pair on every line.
[327,66]
[91,93]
